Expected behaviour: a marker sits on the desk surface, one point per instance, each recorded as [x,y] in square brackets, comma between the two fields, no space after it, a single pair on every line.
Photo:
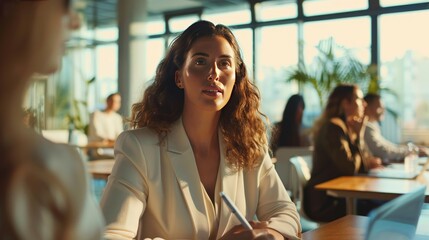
[353,227]
[97,145]
[100,169]
[350,227]
[370,187]
[362,187]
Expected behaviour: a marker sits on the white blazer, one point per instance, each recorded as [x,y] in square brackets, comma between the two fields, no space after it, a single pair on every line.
[155,191]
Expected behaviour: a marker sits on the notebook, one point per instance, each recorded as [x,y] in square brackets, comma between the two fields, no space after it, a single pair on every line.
[398,171]
[398,218]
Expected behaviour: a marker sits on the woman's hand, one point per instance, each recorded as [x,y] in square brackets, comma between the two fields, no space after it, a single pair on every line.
[260,232]
[357,126]
[423,151]
[375,162]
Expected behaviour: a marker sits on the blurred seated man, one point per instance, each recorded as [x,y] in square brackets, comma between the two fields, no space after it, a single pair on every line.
[104,127]
[377,145]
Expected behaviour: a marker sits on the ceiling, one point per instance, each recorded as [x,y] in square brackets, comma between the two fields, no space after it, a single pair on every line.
[102,13]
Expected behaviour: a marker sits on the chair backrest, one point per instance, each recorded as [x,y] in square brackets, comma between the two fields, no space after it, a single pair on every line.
[302,170]
[284,168]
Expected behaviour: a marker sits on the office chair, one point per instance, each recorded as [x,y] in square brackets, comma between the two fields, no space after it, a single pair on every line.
[301,167]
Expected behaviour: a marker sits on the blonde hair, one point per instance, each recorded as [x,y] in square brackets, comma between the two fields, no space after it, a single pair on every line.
[22,170]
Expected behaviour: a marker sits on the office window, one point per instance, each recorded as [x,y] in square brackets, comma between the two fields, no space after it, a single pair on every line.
[106,34]
[155,26]
[244,38]
[274,10]
[228,16]
[389,3]
[404,69]
[106,75]
[352,34]
[154,52]
[179,24]
[319,7]
[277,50]
[68,91]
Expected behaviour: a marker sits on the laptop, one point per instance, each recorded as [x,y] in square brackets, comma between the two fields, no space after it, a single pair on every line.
[398,218]
[398,171]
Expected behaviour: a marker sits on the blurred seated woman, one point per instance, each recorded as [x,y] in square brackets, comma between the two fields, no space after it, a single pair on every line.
[288,132]
[338,140]
[44,192]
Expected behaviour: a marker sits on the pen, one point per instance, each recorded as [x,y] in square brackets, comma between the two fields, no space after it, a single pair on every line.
[235,211]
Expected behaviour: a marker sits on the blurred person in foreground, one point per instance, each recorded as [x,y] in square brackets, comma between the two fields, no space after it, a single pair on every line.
[197,132]
[338,150]
[44,186]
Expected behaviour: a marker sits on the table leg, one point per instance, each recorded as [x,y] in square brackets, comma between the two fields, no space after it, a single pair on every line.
[350,205]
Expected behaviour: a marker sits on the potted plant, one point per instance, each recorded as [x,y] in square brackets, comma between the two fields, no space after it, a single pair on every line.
[78,118]
[333,65]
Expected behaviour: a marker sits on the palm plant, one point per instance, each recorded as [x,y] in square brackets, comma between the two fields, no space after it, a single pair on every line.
[329,69]
[80,110]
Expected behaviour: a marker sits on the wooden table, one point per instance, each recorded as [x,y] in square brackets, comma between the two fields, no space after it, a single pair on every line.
[97,150]
[97,145]
[353,227]
[100,169]
[350,227]
[362,187]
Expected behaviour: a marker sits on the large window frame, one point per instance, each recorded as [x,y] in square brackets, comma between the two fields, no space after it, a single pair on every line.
[373,11]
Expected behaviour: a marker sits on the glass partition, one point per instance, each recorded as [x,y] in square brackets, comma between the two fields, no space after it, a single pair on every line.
[404,69]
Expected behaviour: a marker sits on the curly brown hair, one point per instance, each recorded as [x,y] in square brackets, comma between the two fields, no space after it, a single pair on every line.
[241,122]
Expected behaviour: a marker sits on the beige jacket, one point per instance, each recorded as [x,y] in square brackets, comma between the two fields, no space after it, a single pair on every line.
[154,191]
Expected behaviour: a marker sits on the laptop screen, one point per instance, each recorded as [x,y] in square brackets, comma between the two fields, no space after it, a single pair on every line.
[398,218]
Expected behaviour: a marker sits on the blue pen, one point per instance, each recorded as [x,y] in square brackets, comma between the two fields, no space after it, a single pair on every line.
[235,211]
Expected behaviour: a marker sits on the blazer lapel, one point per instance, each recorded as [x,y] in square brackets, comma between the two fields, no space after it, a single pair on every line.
[230,186]
[183,162]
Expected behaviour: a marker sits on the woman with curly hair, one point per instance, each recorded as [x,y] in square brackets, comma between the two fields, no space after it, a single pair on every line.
[44,188]
[197,132]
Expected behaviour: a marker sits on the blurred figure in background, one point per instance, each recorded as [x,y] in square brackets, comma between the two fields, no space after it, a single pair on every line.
[288,132]
[105,126]
[374,140]
[338,144]
[43,186]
